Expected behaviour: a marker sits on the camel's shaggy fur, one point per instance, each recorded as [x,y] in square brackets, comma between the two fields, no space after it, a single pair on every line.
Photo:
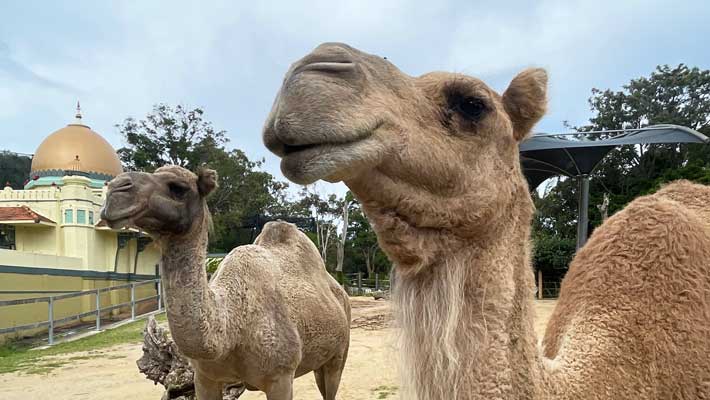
[434,161]
[271,312]
[634,311]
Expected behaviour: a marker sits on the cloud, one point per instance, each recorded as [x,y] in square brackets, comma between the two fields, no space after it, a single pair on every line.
[16,71]
[229,57]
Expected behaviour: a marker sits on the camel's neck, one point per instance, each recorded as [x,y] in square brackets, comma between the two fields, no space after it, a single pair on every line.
[195,318]
[467,322]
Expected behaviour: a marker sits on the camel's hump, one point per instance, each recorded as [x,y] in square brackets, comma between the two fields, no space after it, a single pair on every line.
[279,233]
[690,196]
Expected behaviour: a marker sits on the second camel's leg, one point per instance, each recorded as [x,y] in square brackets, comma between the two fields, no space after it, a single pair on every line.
[281,389]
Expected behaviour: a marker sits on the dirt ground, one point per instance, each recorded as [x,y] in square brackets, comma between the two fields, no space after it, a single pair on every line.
[111,374]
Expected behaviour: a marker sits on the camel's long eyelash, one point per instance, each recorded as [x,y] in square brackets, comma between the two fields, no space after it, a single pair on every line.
[461,100]
[178,190]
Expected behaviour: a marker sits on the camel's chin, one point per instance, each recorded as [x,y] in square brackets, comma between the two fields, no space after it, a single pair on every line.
[331,162]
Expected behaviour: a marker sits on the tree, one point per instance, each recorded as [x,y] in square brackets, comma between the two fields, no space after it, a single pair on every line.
[326,211]
[363,249]
[169,135]
[14,169]
[243,191]
[345,206]
[670,95]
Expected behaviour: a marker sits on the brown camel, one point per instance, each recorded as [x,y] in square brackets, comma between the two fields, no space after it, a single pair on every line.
[434,161]
[271,312]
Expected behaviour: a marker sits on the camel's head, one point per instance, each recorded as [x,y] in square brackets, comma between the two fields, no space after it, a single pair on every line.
[427,156]
[165,203]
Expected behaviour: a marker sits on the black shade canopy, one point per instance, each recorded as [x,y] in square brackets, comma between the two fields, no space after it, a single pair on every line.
[545,156]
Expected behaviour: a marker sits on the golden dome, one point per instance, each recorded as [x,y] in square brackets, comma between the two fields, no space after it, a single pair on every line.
[76,147]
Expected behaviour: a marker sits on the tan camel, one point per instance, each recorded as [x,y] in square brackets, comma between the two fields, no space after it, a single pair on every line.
[434,161]
[271,312]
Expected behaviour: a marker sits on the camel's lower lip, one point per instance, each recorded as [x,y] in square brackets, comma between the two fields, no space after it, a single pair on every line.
[330,161]
[117,223]
[120,220]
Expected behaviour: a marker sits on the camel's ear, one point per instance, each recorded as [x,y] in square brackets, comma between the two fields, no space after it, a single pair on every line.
[525,100]
[206,181]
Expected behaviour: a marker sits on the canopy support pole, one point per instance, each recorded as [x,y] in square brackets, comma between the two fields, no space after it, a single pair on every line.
[583,210]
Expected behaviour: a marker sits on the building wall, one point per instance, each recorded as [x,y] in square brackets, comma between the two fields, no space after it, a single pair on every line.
[40,239]
[32,259]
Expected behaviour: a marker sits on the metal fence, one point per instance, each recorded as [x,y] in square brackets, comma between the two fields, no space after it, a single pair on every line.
[51,323]
[357,285]
[550,290]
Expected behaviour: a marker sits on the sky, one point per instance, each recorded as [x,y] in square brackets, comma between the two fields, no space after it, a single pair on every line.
[121,57]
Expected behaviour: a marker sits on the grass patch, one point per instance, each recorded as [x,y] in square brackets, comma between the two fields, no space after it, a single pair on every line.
[385,391]
[77,358]
[45,368]
[19,357]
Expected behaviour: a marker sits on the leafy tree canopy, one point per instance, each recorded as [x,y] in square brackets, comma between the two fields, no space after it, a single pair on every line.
[14,169]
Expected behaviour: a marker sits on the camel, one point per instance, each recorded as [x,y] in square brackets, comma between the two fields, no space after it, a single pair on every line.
[270,314]
[434,161]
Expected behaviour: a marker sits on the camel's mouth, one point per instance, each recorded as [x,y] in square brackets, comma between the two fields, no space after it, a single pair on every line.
[117,219]
[291,149]
[334,162]
[118,223]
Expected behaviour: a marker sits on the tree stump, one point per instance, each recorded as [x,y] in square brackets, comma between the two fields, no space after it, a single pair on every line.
[381,295]
[162,363]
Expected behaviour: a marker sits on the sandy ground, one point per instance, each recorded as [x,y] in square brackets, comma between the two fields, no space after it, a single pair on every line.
[112,374]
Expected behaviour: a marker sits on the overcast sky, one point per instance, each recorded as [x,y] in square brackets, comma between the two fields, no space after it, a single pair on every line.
[121,57]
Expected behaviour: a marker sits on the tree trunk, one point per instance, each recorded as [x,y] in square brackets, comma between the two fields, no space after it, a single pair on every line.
[323,232]
[373,254]
[343,237]
[368,263]
[370,254]
[604,207]
[162,363]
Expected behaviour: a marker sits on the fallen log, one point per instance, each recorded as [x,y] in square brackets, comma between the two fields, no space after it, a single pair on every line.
[162,363]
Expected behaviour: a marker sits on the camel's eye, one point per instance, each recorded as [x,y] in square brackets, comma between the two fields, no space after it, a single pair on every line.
[178,190]
[471,108]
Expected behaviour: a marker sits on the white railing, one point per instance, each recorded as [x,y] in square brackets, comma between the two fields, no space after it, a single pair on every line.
[53,323]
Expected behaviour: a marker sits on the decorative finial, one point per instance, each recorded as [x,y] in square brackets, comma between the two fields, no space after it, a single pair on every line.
[78,112]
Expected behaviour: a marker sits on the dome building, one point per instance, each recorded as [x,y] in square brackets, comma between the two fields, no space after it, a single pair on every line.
[51,235]
[74,148]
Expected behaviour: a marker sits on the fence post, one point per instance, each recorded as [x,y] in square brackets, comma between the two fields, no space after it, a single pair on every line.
[359,283]
[51,320]
[160,306]
[133,301]
[98,309]
[377,282]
